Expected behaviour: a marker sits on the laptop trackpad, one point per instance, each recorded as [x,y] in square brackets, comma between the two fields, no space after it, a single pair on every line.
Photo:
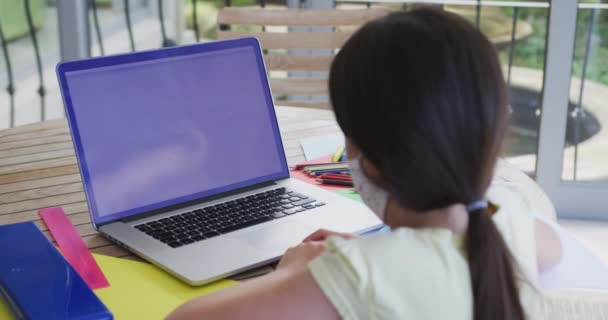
[276,237]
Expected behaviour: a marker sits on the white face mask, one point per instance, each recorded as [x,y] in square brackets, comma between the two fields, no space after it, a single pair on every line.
[373,196]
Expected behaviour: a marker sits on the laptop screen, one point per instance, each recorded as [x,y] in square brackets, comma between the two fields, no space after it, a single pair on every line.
[161,128]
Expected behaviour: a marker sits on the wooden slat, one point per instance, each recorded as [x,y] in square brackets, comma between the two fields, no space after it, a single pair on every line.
[35,142]
[85,230]
[40,193]
[292,40]
[39,173]
[38,126]
[78,219]
[41,203]
[32,215]
[92,241]
[38,183]
[36,149]
[297,63]
[298,17]
[28,158]
[96,241]
[292,86]
[37,165]
[36,134]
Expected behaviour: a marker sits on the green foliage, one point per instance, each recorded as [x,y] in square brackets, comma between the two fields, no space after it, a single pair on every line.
[530,53]
[12,17]
[597,68]
[103,3]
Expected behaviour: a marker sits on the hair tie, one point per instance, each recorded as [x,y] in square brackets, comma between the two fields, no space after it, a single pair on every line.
[477,205]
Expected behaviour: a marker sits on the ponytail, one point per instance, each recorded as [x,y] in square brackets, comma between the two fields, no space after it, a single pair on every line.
[492,270]
[432,119]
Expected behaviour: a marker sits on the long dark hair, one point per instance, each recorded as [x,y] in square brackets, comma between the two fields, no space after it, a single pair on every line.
[421,93]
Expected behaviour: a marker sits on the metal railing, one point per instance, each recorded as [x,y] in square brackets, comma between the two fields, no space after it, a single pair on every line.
[579,114]
[93,20]
[93,6]
[94,23]
[41,89]
[478,5]
[10,88]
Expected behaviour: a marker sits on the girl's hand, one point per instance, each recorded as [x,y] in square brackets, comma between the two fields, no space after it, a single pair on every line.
[323,234]
[299,256]
[290,292]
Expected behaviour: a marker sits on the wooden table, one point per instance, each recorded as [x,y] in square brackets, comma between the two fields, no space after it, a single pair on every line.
[38,169]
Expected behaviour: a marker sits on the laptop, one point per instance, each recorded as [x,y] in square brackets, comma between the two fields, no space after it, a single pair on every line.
[183,164]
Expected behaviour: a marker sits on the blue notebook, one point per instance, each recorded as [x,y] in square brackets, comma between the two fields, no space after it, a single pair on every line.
[38,283]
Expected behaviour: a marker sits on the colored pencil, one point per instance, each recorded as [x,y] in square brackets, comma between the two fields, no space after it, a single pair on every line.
[336,177]
[326,167]
[344,158]
[336,182]
[304,165]
[322,172]
[338,154]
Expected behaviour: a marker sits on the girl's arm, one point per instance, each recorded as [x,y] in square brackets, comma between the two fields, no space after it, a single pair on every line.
[548,245]
[290,292]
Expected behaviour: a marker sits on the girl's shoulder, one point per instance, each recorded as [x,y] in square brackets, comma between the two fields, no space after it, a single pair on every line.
[419,273]
[394,275]
[400,245]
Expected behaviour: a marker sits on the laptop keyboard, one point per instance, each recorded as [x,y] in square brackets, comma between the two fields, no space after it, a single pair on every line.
[200,224]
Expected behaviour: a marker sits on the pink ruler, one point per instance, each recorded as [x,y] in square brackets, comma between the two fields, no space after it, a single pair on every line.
[73,248]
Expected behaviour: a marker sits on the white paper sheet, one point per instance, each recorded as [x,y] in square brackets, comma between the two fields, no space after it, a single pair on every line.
[321,146]
[579,268]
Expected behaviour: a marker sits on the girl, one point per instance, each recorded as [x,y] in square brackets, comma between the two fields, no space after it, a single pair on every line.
[421,98]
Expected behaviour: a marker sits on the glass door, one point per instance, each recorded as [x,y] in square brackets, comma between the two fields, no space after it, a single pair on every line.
[572,164]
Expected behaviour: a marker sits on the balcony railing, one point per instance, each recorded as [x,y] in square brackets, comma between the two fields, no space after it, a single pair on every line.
[98,42]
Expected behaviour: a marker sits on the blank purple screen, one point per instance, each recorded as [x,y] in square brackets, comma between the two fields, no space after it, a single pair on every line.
[158,132]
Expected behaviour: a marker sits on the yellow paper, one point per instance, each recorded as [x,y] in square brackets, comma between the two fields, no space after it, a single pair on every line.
[4,313]
[140,290]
